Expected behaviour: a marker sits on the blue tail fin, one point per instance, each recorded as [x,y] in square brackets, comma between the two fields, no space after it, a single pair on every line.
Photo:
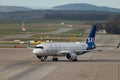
[91,38]
[28,44]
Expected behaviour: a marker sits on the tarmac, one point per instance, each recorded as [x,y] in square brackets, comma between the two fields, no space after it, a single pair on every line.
[21,64]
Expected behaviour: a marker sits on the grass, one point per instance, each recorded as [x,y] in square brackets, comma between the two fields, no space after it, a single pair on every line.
[10,28]
[75,32]
[41,26]
[73,35]
[44,26]
[15,28]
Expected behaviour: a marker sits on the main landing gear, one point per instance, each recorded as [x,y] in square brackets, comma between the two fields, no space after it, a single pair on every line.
[43,58]
[55,58]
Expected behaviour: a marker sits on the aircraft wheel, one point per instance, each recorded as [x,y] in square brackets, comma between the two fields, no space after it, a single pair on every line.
[74,59]
[55,59]
[42,58]
[39,57]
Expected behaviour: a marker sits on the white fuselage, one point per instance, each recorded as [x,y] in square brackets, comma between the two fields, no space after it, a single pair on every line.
[68,49]
[59,48]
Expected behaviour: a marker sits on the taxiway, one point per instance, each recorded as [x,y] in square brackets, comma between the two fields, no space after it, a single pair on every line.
[21,64]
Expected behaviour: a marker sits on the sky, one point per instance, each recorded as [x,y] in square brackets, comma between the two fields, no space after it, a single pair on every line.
[38,4]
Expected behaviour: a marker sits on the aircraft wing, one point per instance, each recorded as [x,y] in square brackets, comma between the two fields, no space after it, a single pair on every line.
[88,50]
[64,52]
[77,51]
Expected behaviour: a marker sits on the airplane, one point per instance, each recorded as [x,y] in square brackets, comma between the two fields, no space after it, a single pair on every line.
[68,49]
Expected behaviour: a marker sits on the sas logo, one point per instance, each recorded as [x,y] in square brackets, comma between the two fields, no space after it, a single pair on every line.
[90,40]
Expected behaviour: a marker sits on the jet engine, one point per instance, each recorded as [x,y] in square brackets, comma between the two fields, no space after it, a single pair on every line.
[71,56]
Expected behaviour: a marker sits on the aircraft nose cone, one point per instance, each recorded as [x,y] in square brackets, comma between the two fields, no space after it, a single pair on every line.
[36,51]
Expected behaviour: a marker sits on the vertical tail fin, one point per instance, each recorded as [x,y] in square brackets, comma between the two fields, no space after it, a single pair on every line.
[91,38]
[28,44]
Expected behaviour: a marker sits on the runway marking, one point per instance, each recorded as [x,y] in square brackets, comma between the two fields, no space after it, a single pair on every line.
[40,73]
[3,75]
[118,71]
[10,73]
[98,72]
[12,70]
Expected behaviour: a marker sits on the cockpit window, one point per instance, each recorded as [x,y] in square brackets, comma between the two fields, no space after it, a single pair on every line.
[40,47]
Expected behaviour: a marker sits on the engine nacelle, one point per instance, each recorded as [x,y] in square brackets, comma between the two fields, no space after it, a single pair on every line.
[71,56]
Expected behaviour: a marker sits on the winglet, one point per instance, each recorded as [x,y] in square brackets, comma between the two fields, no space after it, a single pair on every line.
[118,45]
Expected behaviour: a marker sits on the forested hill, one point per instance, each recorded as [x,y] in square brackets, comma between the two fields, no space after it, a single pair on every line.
[13,8]
[83,6]
[56,14]
[75,6]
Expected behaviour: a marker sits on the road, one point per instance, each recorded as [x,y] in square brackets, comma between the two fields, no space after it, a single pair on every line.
[60,30]
[107,40]
[18,36]
[24,36]
[21,64]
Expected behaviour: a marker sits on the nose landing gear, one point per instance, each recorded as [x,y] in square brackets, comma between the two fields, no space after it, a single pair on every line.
[42,58]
